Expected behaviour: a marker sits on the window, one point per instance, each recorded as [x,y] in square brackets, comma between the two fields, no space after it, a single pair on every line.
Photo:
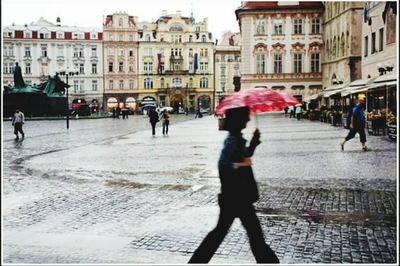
[60,51]
[121,67]
[223,71]
[204,52]
[177,65]
[365,46]
[94,51]
[121,84]
[298,62]
[111,84]
[203,82]
[94,85]
[110,67]
[204,66]
[298,26]
[44,50]
[278,28]
[130,52]
[76,86]
[260,26]
[380,39]
[148,83]
[8,68]
[277,63]
[110,51]
[131,38]
[111,37]
[94,68]
[147,38]
[131,84]
[190,83]
[162,83]
[60,35]
[94,36]
[315,25]
[27,51]
[315,58]
[27,35]
[203,38]
[148,67]
[120,37]
[130,68]
[28,68]
[260,63]
[373,43]
[81,69]
[121,52]
[82,87]
[190,38]
[176,83]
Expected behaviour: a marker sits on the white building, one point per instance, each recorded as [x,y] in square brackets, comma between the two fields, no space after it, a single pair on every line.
[281,46]
[227,65]
[44,48]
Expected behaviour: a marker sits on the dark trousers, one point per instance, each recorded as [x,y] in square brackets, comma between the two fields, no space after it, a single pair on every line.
[354,131]
[165,125]
[247,215]
[18,128]
[153,127]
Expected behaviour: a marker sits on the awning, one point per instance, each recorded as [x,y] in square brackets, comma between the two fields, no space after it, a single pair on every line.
[381,85]
[386,78]
[333,90]
[356,86]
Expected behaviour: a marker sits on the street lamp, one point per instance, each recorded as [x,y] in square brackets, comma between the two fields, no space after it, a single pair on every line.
[68,73]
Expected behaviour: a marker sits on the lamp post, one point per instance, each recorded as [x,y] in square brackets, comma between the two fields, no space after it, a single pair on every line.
[68,73]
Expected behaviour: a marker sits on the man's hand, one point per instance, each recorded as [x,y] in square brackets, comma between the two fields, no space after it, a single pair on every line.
[256,135]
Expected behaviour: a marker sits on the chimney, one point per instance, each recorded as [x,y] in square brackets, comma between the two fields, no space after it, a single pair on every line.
[58,21]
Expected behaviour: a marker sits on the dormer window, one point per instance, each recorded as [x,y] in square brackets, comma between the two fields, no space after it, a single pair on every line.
[60,35]
[27,34]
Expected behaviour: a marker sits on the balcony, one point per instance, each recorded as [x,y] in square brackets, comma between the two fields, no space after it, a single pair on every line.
[285,76]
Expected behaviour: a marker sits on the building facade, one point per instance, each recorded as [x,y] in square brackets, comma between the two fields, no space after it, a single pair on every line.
[341,63]
[176,63]
[44,48]
[379,57]
[281,46]
[227,65]
[120,61]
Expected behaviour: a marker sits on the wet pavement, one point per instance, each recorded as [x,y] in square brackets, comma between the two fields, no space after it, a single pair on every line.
[106,191]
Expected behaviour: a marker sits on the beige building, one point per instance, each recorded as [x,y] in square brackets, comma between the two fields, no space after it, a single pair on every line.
[379,57]
[281,46]
[176,63]
[227,65]
[341,63]
[120,61]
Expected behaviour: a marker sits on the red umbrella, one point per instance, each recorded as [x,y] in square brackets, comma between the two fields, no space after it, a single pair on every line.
[259,100]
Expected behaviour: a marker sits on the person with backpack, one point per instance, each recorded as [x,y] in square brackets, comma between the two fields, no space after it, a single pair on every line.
[17,121]
[165,122]
[357,123]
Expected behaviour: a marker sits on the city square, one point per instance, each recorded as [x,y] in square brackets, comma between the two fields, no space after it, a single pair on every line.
[89,201]
[122,132]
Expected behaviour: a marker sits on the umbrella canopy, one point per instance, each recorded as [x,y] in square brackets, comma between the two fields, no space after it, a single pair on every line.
[299,105]
[259,100]
[167,108]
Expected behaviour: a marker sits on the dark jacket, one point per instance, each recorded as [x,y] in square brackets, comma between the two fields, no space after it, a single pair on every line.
[237,185]
[153,117]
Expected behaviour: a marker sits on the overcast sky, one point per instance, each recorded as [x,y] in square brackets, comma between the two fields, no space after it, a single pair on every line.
[220,13]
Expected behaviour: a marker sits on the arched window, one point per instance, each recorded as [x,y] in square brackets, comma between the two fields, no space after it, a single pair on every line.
[176,27]
[148,83]
[162,83]
[203,82]
[260,53]
[203,38]
[190,83]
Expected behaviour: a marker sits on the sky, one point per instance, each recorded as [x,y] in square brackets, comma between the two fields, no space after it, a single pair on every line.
[89,13]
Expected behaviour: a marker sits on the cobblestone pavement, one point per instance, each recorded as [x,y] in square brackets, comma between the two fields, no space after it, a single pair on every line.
[108,192]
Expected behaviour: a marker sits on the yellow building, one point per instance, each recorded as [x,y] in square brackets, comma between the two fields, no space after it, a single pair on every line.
[175,66]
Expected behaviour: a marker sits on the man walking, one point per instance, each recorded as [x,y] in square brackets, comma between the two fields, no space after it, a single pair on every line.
[17,121]
[357,123]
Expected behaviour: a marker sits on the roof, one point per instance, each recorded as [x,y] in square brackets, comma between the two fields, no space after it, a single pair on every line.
[278,5]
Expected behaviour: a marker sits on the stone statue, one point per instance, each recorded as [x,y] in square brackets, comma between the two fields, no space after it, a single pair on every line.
[18,79]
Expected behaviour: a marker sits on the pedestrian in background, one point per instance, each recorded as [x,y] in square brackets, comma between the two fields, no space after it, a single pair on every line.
[286,111]
[165,122]
[17,121]
[153,119]
[298,112]
[357,123]
[291,111]
[238,192]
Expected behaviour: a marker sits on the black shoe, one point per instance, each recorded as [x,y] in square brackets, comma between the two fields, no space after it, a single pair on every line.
[17,138]
[365,148]
[342,145]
